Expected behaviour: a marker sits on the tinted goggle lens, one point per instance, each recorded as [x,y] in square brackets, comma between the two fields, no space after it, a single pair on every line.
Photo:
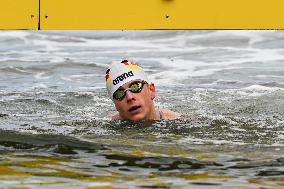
[134,87]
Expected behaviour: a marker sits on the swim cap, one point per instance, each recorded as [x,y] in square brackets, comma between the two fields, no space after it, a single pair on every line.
[120,73]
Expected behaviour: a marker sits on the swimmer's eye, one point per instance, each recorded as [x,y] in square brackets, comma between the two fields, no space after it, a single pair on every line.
[119,94]
[134,87]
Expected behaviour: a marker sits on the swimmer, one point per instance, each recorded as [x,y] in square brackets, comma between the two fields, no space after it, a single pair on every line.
[133,94]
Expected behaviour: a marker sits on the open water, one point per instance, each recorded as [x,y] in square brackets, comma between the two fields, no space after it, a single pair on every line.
[55,130]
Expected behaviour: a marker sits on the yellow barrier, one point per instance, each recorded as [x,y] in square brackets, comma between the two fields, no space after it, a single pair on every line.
[143,14]
[162,14]
[19,14]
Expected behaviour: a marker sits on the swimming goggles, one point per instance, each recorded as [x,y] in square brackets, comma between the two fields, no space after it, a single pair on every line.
[134,87]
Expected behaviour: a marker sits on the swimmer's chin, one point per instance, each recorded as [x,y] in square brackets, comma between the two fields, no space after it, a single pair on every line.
[116,117]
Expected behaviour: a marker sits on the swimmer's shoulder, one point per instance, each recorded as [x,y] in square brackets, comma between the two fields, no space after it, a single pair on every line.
[169,115]
[166,114]
[115,116]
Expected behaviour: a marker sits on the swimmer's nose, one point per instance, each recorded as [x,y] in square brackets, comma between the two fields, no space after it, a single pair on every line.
[129,96]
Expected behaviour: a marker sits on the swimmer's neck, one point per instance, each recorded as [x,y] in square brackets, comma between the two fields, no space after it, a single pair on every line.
[162,114]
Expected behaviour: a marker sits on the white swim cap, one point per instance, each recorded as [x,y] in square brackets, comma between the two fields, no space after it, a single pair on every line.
[120,73]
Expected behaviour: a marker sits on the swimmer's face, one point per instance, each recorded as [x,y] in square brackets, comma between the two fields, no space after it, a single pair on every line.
[137,106]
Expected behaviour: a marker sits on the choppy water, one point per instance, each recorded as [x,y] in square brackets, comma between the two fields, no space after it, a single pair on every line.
[55,130]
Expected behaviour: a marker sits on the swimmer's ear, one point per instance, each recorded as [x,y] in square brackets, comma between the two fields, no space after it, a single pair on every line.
[152,91]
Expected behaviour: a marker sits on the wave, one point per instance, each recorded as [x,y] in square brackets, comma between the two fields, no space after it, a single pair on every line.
[54,143]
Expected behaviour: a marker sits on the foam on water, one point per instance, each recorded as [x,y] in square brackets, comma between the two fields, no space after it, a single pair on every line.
[41,75]
[56,51]
[262,88]
[7,35]
[201,66]
[253,36]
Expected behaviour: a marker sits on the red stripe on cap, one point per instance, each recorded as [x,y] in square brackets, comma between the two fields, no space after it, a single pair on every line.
[107,74]
[125,62]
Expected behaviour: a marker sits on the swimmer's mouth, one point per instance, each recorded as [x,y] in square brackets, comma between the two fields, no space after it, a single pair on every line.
[133,108]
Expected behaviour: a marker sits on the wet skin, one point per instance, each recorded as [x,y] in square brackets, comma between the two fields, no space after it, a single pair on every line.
[137,106]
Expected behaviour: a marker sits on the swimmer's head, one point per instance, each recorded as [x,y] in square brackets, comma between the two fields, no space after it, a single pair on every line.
[120,73]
